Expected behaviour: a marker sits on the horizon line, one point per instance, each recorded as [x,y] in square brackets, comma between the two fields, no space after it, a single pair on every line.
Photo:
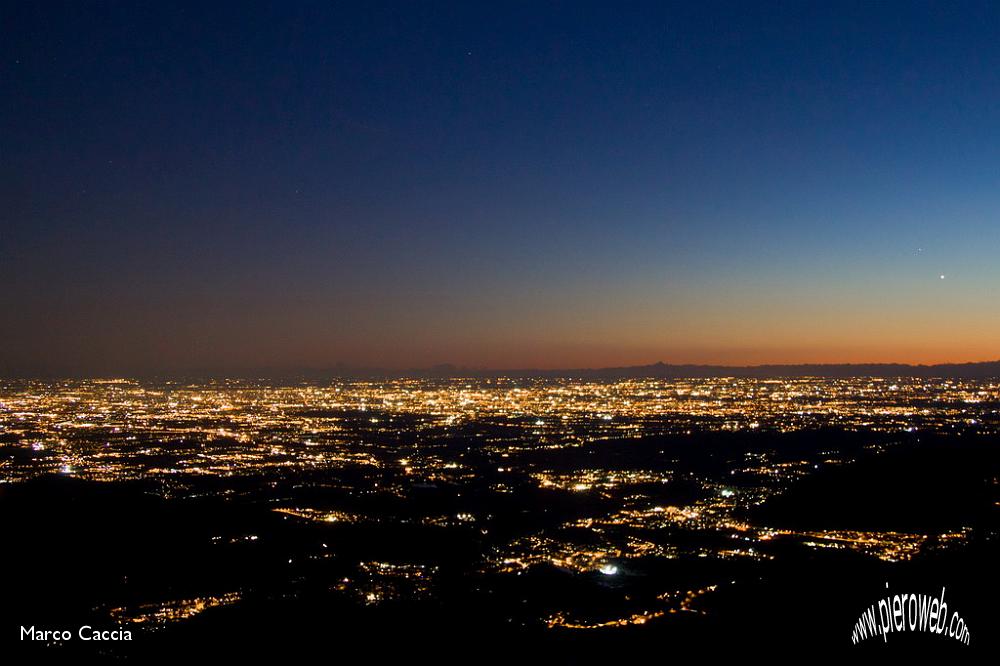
[451,370]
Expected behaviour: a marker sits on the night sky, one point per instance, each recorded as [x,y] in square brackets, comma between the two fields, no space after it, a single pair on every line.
[296,185]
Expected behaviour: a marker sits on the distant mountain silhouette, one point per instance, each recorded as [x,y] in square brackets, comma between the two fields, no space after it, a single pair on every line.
[981,370]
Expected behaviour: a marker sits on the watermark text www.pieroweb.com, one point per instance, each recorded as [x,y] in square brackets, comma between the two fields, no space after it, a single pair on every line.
[910,612]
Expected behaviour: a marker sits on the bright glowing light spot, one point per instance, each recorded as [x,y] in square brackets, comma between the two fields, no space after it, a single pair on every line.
[608,570]
[942,277]
[581,487]
[66,469]
[726,492]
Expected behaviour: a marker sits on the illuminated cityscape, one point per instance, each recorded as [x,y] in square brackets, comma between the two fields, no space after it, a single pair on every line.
[599,481]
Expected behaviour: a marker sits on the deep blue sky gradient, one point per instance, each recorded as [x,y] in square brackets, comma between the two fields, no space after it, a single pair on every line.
[246,185]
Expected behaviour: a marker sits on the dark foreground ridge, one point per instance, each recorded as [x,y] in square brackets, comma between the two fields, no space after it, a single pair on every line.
[85,549]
